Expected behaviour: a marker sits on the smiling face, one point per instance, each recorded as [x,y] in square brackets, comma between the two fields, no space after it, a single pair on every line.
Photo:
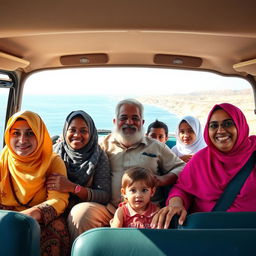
[77,135]
[138,195]
[22,139]
[129,125]
[222,130]
[129,119]
[186,133]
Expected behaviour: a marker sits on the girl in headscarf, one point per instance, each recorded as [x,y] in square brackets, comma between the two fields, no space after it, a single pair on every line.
[89,180]
[25,162]
[204,178]
[189,138]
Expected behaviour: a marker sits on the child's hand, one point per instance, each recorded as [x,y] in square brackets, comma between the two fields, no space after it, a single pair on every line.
[186,158]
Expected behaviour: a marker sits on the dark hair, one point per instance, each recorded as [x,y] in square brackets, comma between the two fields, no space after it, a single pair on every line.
[134,174]
[158,124]
[217,108]
[183,121]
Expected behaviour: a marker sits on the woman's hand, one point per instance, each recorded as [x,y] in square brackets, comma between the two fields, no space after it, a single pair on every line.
[163,217]
[33,212]
[60,183]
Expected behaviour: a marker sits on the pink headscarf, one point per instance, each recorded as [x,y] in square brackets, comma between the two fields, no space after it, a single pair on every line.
[244,146]
[206,175]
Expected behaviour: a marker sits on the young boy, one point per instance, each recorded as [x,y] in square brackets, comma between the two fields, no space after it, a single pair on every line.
[158,130]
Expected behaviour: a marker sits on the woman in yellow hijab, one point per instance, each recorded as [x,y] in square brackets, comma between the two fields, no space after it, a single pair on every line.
[25,163]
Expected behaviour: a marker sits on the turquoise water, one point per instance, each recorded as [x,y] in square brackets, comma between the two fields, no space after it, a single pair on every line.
[53,109]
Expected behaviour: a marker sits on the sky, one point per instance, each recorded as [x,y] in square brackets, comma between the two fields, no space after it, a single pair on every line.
[127,81]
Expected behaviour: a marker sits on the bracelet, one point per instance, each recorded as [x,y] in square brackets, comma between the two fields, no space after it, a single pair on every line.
[77,189]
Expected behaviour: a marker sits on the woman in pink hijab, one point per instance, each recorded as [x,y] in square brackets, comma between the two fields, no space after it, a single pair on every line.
[204,178]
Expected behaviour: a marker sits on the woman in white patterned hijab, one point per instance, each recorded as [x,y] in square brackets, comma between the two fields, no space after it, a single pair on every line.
[189,138]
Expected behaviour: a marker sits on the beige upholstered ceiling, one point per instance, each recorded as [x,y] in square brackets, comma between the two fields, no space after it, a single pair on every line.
[128,32]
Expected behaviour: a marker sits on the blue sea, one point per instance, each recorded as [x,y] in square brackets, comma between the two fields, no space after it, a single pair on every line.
[54,108]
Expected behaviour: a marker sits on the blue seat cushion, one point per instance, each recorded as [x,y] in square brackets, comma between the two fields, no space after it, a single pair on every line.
[19,234]
[203,220]
[152,242]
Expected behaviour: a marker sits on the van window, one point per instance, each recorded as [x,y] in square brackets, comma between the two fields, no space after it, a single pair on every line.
[5,85]
[166,94]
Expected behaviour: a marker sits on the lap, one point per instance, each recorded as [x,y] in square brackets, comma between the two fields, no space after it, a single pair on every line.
[55,238]
[90,210]
[87,215]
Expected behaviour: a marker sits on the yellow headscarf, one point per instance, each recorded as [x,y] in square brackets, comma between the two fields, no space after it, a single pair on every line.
[27,172]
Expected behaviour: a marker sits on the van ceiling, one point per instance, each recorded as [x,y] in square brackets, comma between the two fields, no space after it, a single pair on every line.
[218,33]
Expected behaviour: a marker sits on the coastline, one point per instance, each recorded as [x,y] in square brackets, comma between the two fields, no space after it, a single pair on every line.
[201,103]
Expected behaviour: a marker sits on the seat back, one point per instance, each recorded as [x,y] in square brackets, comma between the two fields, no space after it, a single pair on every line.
[202,220]
[19,234]
[171,142]
[152,242]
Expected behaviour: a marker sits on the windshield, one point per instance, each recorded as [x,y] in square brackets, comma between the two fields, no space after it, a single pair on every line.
[167,94]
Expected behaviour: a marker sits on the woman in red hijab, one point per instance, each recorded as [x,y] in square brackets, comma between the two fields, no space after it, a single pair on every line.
[205,177]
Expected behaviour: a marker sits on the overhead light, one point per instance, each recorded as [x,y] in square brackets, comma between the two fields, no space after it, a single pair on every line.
[84,59]
[178,60]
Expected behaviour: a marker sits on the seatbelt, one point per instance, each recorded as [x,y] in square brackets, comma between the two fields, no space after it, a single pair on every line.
[235,185]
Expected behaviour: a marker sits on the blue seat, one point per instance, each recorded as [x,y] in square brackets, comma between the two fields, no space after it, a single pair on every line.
[152,242]
[171,142]
[19,234]
[209,220]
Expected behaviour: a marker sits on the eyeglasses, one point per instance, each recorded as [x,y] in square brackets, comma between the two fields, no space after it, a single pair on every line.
[226,124]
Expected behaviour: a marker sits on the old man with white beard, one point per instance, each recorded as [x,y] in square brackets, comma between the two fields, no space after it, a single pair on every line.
[127,146]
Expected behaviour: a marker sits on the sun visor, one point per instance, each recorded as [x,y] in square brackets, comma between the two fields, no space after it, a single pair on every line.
[11,63]
[248,67]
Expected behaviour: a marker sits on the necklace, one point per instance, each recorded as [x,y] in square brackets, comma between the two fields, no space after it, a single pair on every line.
[16,198]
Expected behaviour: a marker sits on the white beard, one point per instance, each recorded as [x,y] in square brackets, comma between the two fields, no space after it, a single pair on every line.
[128,139]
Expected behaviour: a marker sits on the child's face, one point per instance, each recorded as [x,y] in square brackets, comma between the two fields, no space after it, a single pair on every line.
[158,134]
[186,134]
[138,195]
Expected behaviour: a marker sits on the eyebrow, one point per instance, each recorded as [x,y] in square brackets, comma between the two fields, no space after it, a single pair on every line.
[127,115]
[17,129]
[222,120]
[83,127]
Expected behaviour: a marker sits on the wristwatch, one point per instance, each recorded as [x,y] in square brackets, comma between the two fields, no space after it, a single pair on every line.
[77,189]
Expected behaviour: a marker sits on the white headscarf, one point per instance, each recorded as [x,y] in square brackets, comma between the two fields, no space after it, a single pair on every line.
[181,149]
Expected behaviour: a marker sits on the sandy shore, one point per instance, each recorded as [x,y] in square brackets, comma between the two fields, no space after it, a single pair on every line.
[200,104]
